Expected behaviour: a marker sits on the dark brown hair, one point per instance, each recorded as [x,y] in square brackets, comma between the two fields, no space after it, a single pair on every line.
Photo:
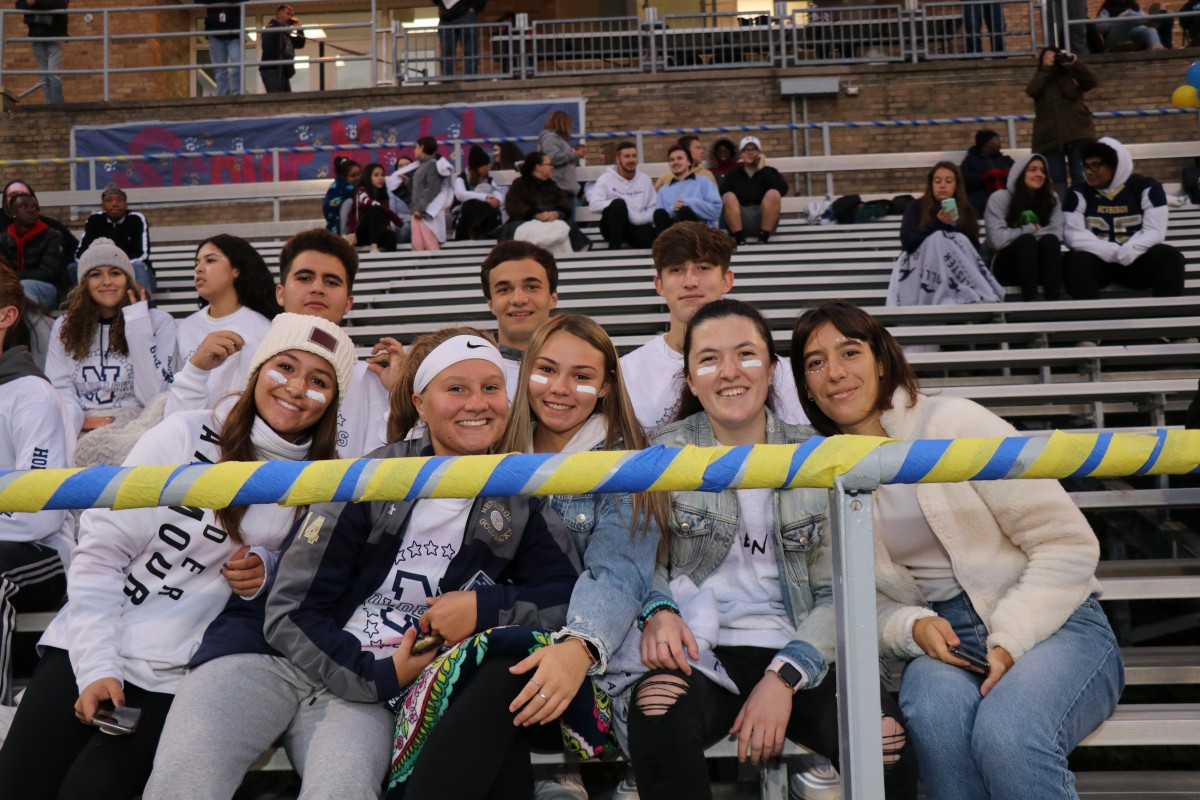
[1040,202]
[968,220]
[83,315]
[692,241]
[852,322]
[319,240]
[515,250]
[236,445]
[721,309]
[254,284]
[678,148]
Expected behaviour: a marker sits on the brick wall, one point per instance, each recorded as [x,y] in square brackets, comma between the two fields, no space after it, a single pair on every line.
[623,102]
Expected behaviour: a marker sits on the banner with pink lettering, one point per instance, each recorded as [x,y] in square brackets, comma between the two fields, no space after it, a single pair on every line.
[222,151]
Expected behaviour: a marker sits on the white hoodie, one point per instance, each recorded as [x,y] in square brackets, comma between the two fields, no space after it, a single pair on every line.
[637,192]
[146,582]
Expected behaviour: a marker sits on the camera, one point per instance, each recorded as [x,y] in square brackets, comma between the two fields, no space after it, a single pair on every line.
[1062,58]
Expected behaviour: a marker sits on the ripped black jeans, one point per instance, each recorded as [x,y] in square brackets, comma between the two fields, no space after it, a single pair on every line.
[670,726]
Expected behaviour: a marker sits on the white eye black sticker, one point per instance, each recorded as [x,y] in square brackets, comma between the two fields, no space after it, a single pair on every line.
[536,378]
[709,370]
[313,394]
[276,376]
[583,388]
[751,362]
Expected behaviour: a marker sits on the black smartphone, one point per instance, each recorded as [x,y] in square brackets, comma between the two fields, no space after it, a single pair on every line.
[426,643]
[117,721]
[971,658]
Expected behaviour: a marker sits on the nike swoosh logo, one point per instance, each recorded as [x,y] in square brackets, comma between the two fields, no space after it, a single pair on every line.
[475,346]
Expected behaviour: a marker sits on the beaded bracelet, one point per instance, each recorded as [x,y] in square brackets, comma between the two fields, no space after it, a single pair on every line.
[654,608]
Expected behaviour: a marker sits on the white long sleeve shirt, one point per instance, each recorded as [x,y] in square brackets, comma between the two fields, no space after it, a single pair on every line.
[104,380]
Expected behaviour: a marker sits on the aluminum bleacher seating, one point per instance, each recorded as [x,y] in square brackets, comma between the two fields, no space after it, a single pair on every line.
[1025,360]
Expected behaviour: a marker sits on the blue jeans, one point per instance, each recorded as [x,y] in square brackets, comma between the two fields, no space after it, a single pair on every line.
[1014,742]
[1056,161]
[975,17]
[223,51]
[48,56]
[450,34]
[42,293]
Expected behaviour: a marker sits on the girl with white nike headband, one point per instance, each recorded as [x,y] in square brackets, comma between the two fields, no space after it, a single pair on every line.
[356,585]
[144,583]
[740,637]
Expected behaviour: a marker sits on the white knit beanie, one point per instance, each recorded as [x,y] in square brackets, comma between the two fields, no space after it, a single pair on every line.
[105,253]
[314,335]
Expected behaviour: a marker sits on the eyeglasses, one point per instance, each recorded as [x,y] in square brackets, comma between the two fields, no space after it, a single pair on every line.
[1093,166]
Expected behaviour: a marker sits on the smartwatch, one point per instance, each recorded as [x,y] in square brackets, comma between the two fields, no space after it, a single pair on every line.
[788,674]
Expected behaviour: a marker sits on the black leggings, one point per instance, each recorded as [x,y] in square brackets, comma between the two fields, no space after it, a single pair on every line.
[373,229]
[668,748]
[1029,261]
[478,730]
[50,754]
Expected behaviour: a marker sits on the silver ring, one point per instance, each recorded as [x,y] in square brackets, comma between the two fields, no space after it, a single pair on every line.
[662,641]
[534,681]
[543,696]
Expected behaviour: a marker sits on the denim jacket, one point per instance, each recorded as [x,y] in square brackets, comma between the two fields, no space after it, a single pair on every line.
[704,526]
[618,565]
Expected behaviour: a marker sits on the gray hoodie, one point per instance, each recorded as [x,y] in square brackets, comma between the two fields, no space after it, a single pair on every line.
[999,234]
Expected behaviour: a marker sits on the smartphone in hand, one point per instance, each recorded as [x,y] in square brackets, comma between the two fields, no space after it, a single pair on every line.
[426,643]
[950,206]
[117,721]
[971,658]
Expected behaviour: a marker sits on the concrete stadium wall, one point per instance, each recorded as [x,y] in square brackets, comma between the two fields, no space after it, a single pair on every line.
[710,98]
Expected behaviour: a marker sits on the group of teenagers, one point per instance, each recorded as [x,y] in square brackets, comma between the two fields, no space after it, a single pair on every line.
[1113,223]
[424,203]
[652,623]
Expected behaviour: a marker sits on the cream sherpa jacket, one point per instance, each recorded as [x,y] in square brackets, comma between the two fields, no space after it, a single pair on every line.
[1022,551]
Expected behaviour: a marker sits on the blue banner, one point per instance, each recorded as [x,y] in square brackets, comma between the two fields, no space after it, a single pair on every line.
[231,138]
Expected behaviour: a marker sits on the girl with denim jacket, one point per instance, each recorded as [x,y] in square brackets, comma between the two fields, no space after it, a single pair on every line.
[572,386]
[746,650]
[1001,571]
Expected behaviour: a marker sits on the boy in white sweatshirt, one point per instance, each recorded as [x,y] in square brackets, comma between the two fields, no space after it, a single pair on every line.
[316,276]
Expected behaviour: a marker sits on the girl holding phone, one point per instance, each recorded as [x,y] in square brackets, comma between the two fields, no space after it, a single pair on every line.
[940,236]
[742,640]
[333,641]
[571,398]
[144,583]
[997,570]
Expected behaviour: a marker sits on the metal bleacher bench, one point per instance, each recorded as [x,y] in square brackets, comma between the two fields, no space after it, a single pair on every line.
[1132,724]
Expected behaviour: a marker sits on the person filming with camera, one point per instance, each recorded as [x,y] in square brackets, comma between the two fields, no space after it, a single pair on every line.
[1062,121]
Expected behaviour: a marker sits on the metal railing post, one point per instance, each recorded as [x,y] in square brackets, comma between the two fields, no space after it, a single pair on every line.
[1012,130]
[827,150]
[913,11]
[105,51]
[641,146]
[652,32]
[2,42]
[522,26]
[781,14]
[275,164]
[375,45]
[857,643]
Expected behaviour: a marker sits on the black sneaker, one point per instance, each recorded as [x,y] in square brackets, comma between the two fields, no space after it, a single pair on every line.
[764,237]
[740,238]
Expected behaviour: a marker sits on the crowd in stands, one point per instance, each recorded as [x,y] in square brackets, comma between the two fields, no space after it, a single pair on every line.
[380,641]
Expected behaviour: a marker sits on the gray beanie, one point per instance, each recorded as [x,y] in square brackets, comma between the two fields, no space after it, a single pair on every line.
[105,253]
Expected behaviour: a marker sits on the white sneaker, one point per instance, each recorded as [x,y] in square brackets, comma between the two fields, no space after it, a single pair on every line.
[627,788]
[560,783]
[813,778]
